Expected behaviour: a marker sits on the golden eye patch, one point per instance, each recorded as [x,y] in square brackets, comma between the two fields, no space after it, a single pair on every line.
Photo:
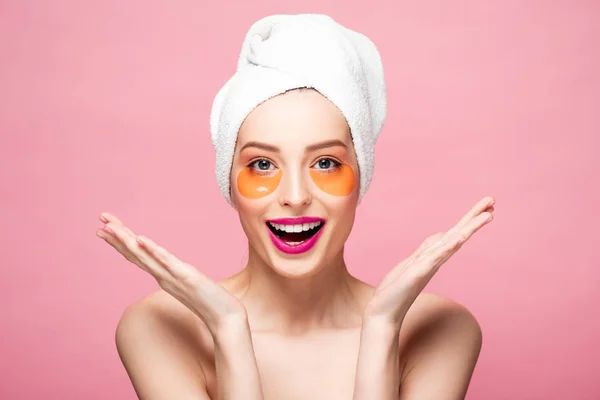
[340,182]
[254,186]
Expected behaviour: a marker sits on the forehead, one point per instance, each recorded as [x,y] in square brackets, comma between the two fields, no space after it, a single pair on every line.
[296,118]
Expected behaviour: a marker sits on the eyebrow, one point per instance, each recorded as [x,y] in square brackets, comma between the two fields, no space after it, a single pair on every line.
[312,147]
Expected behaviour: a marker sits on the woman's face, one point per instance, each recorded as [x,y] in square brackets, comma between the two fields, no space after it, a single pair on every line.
[295,181]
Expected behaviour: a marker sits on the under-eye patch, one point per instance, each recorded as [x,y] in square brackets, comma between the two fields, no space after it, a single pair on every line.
[254,186]
[338,183]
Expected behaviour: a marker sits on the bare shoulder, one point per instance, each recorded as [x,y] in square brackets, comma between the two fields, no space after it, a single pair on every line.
[430,306]
[434,318]
[442,340]
[162,345]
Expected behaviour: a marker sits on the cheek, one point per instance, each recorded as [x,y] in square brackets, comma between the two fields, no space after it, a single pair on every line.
[338,183]
[254,186]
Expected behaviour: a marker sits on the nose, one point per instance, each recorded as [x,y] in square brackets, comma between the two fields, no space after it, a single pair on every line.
[294,191]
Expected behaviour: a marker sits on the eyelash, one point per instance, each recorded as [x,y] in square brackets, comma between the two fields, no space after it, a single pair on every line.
[263,172]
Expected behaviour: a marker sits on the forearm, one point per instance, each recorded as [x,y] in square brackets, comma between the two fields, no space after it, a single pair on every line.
[235,361]
[378,367]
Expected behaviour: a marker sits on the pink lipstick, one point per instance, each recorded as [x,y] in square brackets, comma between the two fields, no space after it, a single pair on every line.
[295,235]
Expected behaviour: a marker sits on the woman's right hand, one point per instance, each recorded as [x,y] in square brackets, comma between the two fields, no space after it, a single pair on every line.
[205,298]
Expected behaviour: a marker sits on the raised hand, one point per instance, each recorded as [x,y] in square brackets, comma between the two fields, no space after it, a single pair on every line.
[207,299]
[401,286]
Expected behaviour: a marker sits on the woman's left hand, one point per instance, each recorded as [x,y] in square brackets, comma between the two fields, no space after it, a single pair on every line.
[401,286]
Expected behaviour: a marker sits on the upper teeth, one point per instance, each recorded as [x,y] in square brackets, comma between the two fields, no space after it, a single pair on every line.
[296,227]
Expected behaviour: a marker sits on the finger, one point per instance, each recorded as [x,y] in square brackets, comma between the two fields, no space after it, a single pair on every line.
[176,267]
[450,244]
[438,246]
[160,254]
[486,204]
[108,217]
[481,206]
[129,247]
[401,267]
[429,242]
[436,250]
[109,236]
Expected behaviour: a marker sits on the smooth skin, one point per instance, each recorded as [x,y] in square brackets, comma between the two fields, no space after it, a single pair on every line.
[297,327]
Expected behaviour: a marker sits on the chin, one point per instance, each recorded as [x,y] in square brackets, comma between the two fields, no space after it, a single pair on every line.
[296,268]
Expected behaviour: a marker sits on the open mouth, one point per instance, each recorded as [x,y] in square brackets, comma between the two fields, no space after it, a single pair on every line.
[295,234]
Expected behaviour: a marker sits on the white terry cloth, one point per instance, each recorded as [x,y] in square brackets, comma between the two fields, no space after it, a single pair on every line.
[284,52]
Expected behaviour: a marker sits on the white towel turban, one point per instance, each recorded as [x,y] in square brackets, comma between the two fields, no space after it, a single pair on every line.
[284,52]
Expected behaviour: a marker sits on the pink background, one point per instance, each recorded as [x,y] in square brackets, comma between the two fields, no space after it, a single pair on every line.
[104,106]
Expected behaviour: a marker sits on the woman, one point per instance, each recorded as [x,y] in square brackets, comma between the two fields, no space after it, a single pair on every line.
[294,324]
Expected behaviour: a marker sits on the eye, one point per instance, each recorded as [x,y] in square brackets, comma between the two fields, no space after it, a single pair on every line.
[261,166]
[327,164]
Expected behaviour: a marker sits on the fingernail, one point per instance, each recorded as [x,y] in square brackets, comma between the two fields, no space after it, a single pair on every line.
[101,234]
[103,218]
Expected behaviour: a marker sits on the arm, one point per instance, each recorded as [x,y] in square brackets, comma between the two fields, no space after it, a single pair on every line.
[237,372]
[442,352]
[160,350]
[377,373]
[378,367]
[160,353]
[158,365]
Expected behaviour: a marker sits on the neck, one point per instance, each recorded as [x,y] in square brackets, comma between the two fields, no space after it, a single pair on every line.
[328,299]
